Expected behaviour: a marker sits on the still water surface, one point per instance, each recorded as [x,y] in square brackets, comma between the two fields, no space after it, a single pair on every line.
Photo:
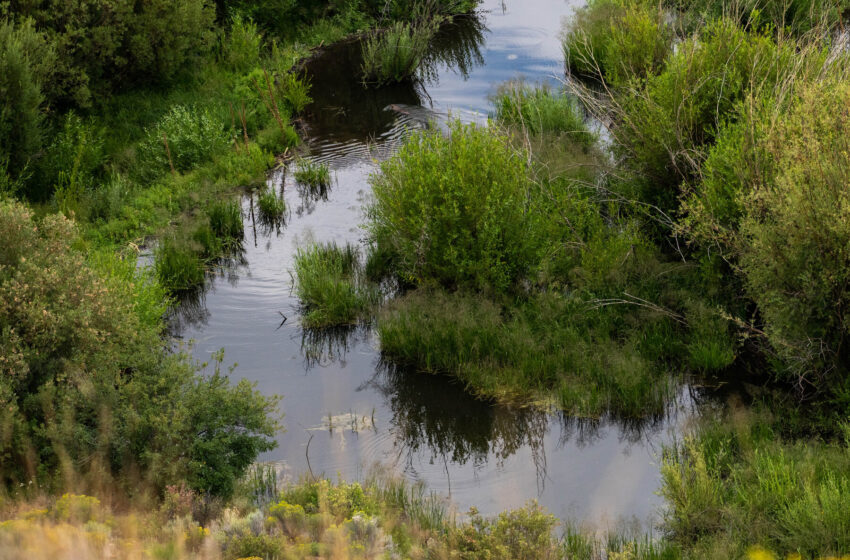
[356,411]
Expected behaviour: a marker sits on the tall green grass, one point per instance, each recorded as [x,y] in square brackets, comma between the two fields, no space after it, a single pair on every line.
[271,206]
[329,281]
[177,266]
[539,110]
[313,175]
[736,484]
[552,350]
[394,54]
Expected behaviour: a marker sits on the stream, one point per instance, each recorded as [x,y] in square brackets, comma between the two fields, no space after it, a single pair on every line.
[353,410]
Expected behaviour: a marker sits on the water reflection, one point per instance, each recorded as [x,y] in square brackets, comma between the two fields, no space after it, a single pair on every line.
[456,47]
[329,345]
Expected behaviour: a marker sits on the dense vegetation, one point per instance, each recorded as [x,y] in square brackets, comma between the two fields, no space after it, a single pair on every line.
[706,235]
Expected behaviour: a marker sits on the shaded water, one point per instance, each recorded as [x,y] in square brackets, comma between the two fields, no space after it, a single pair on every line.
[342,403]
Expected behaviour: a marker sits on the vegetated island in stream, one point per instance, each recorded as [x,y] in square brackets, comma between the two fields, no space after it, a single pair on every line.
[704,237]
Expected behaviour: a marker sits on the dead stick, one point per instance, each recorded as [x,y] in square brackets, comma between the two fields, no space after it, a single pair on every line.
[168,152]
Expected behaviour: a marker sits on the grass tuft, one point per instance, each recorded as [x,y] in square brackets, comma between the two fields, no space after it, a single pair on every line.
[330,284]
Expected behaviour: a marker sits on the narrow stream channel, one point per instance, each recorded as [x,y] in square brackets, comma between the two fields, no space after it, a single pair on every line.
[352,409]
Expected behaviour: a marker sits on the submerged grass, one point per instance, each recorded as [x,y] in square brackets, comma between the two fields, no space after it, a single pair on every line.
[330,283]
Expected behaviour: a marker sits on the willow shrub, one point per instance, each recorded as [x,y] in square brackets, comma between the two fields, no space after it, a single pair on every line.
[796,233]
[668,122]
[87,387]
[453,209]
[615,40]
[25,62]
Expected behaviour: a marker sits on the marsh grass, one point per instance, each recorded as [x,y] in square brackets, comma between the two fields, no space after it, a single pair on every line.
[330,283]
[549,351]
[539,110]
[737,482]
[313,175]
[177,266]
[226,220]
[394,54]
[271,207]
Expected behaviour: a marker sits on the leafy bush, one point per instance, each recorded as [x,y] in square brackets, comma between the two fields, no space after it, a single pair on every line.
[330,284]
[795,237]
[665,125]
[145,43]
[25,63]
[795,16]
[86,386]
[240,49]
[522,534]
[192,135]
[394,55]
[616,41]
[454,209]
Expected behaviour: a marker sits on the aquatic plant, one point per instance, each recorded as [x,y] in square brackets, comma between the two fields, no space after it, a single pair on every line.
[329,282]
[177,266]
[314,175]
[226,220]
[539,110]
[271,206]
[394,54]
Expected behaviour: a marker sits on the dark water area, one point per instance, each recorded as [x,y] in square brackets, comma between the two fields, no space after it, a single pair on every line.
[352,409]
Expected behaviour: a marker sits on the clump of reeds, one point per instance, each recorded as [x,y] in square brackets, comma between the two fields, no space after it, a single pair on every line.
[226,220]
[271,206]
[393,55]
[314,175]
[330,283]
[539,110]
[177,266]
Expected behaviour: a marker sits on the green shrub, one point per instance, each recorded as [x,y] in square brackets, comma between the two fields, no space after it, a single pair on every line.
[86,383]
[125,44]
[539,110]
[193,136]
[25,63]
[616,41]
[177,266]
[293,91]
[271,206]
[522,534]
[394,54]
[797,17]
[330,284]
[454,209]
[665,126]
[240,49]
[794,236]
